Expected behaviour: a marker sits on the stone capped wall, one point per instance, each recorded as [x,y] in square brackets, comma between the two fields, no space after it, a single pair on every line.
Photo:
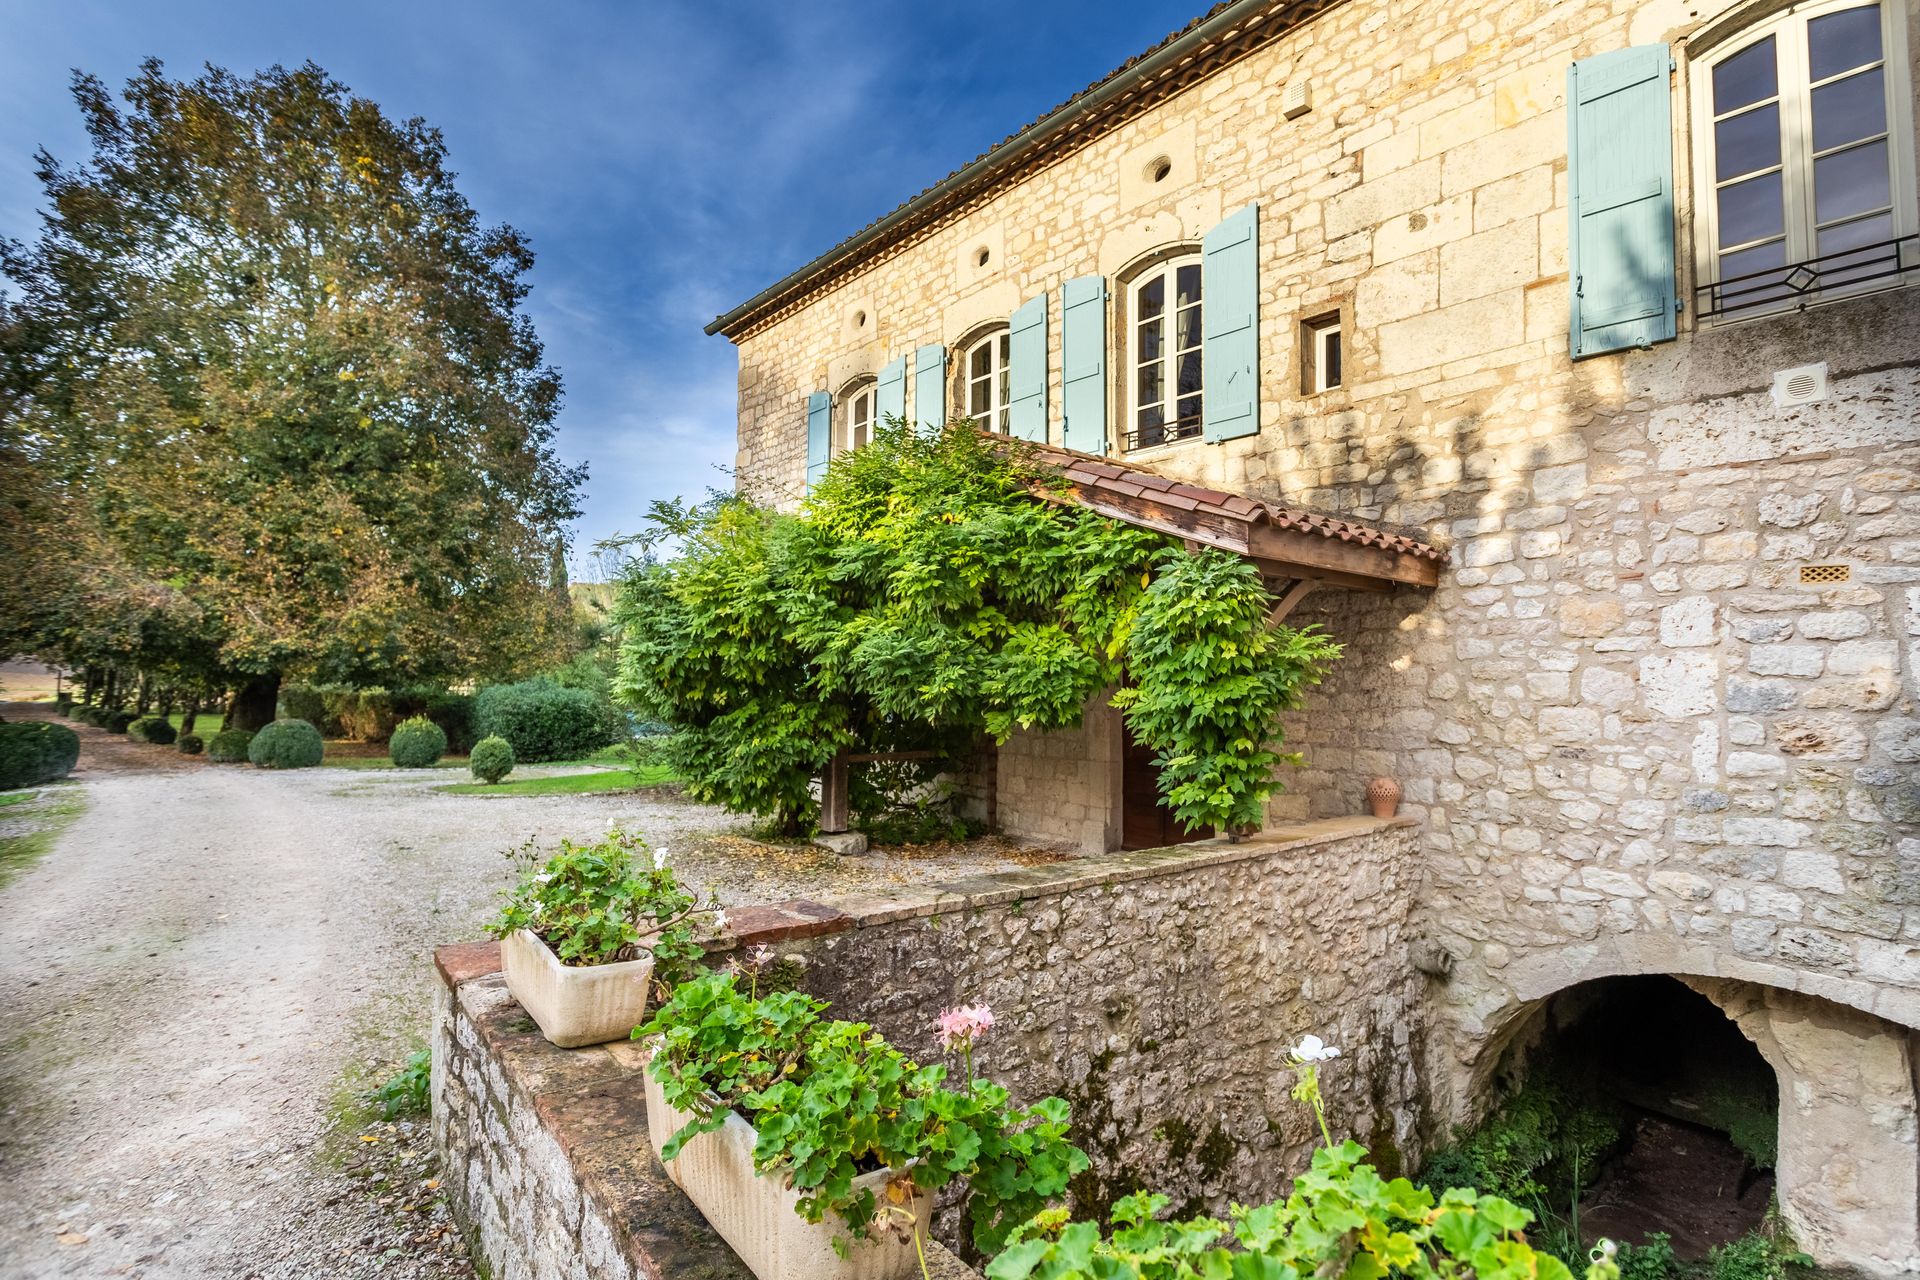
[1158,992]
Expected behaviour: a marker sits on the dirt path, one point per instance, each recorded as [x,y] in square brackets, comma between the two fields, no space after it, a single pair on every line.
[212,957]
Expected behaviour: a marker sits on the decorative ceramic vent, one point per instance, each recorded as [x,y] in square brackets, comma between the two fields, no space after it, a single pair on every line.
[1296,99]
[1822,574]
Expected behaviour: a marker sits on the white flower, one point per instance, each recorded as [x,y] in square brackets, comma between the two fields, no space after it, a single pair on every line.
[1314,1049]
[660,858]
[720,920]
[543,876]
[613,823]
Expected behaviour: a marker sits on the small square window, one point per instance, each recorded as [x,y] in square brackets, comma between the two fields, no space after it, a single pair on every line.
[1321,355]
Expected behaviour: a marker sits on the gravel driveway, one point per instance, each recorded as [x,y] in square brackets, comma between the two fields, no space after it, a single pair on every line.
[212,962]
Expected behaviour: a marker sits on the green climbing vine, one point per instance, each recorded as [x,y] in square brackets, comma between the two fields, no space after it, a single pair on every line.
[928,594]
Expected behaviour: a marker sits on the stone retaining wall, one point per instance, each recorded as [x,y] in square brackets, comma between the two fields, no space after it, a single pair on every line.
[1158,992]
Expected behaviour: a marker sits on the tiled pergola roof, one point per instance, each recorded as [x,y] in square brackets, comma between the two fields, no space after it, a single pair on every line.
[1286,542]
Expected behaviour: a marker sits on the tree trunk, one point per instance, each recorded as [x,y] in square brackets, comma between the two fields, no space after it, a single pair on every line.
[111,700]
[143,695]
[188,716]
[255,703]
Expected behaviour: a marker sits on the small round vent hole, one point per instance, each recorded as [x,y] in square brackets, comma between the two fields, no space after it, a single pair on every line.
[1160,169]
[859,319]
[980,257]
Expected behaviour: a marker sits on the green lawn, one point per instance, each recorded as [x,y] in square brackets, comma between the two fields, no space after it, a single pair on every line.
[568,784]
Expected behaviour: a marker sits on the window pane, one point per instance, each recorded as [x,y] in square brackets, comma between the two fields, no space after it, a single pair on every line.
[1189,373]
[1766,258]
[1153,297]
[980,362]
[1746,77]
[1751,210]
[1147,423]
[1746,142]
[1870,237]
[860,436]
[977,401]
[1189,408]
[1004,397]
[1330,358]
[1842,41]
[1006,348]
[1851,182]
[1188,326]
[1149,345]
[1149,384]
[1189,285]
[1848,110]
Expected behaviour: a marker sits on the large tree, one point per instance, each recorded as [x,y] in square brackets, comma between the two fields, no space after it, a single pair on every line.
[268,353]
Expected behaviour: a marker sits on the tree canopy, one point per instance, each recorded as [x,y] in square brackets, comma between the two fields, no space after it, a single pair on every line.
[268,367]
[927,596]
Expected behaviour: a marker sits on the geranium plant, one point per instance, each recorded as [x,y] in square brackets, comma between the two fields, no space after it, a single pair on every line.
[1342,1219]
[605,901]
[832,1100]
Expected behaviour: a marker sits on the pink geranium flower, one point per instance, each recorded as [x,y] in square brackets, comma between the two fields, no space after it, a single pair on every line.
[965,1024]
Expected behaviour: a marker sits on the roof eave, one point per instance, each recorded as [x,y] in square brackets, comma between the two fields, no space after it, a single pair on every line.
[1006,153]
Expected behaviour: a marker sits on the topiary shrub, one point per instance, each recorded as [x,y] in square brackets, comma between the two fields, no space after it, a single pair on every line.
[155,729]
[453,712]
[492,759]
[417,744]
[542,720]
[286,744]
[229,746]
[116,721]
[191,744]
[35,751]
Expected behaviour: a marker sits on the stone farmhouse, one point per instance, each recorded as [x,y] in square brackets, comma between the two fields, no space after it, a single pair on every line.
[1561,358]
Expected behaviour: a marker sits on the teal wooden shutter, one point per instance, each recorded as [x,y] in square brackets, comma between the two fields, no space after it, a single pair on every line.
[1083,363]
[1027,370]
[1230,345]
[930,385]
[1620,188]
[819,433]
[890,398]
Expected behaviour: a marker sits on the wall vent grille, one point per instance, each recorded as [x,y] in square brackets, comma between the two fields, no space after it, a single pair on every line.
[1820,574]
[1804,385]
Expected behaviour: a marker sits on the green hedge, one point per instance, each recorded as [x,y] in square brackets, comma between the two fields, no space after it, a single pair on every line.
[155,729]
[35,751]
[229,746]
[492,759]
[542,720]
[191,744]
[286,744]
[116,721]
[417,744]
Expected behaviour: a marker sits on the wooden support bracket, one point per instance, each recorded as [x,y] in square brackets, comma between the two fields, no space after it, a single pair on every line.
[1294,595]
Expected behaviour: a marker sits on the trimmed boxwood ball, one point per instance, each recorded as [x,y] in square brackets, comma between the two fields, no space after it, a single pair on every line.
[116,721]
[417,744]
[35,751]
[191,744]
[155,729]
[286,744]
[229,746]
[492,759]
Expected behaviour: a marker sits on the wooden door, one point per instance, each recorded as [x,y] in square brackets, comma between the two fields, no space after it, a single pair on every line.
[1145,823]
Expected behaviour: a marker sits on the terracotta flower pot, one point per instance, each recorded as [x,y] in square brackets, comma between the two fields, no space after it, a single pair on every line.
[575,1005]
[1383,797]
[754,1212]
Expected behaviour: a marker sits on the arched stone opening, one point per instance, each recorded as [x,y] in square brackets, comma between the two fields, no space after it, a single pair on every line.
[1685,1055]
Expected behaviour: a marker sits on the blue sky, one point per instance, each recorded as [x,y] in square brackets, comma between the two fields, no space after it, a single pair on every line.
[667,159]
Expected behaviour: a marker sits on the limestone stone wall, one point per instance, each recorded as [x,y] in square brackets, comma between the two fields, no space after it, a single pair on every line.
[1158,992]
[1636,740]
[1064,786]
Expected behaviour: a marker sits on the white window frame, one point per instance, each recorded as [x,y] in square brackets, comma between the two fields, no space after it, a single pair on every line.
[1168,272]
[1788,27]
[991,413]
[1319,331]
[858,406]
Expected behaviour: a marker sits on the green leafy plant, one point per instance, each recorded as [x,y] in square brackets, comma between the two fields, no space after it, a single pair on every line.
[832,1100]
[1342,1218]
[546,721]
[1766,1254]
[35,751]
[286,744]
[603,902]
[929,596]
[116,721]
[407,1091]
[491,760]
[1652,1259]
[417,743]
[191,744]
[229,746]
[155,729]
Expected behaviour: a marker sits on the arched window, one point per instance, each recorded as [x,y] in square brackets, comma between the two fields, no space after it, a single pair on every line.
[1806,147]
[1165,380]
[983,380]
[856,415]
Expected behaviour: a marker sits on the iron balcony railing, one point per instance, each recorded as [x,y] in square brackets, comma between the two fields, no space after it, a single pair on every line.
[1798,283]
[1164,433]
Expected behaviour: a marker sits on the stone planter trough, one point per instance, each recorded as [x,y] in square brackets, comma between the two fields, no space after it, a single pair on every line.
[575,1005]
[755,1213]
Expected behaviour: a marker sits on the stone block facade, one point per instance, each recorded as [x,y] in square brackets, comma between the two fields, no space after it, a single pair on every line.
[1662,715]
